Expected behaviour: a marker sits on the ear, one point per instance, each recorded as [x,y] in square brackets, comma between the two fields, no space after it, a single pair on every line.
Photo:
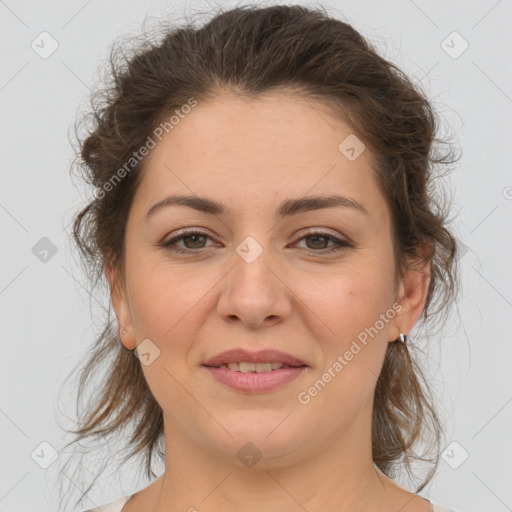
[121,307]
[412,295]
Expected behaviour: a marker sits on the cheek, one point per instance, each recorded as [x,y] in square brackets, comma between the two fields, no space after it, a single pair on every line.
[344,303]
[169,304]
[349,316]
[159,297]
[166,308]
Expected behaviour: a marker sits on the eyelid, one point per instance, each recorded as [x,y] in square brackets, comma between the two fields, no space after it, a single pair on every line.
[305,231]
[190,231]
[318,231]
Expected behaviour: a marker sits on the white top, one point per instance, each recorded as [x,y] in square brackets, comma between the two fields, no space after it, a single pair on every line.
[116,506]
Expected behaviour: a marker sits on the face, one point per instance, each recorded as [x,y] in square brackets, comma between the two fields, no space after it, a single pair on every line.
[315,283]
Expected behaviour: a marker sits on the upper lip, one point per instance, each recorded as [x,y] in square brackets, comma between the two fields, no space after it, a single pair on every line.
[238,355]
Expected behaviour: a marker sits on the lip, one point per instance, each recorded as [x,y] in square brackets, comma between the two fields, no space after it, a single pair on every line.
[256,382]
[262,356]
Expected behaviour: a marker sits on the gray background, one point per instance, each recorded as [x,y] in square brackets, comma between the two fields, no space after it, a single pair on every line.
[44,305]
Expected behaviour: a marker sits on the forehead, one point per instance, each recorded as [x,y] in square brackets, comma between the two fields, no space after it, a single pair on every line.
[239,149]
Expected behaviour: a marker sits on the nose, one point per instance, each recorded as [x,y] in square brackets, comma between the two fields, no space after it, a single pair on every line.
[255,293]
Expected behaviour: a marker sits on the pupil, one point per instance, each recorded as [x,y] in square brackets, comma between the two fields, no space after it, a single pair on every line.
[195,237]
[316,237]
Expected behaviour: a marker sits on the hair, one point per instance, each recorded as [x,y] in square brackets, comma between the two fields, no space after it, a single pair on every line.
[251,50]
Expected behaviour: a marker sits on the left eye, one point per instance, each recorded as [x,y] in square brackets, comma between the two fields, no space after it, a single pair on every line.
[323,238]
[319,238]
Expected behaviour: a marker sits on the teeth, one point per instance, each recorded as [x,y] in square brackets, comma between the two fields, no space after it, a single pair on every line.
[247,367]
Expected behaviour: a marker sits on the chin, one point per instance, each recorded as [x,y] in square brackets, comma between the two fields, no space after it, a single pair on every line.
[267,435]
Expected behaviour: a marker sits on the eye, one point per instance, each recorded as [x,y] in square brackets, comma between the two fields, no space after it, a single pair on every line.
[195,240]
[320,238]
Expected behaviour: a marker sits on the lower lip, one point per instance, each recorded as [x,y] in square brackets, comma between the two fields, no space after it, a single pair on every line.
[256,382]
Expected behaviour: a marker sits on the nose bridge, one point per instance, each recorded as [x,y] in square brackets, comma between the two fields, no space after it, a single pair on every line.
[253,291]
[252,275]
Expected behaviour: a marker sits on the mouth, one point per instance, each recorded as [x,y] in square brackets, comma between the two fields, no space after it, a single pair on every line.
[248,367]
[254,382]
[264,360]
[255,372]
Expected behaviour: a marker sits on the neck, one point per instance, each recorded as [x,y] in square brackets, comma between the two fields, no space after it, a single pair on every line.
[340,477]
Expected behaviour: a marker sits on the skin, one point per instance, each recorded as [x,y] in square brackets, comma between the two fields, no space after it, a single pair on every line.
[249,155]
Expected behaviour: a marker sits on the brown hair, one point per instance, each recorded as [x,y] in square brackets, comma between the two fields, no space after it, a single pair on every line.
[252,50]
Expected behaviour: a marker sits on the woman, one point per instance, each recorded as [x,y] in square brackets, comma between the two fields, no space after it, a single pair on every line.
[265,219]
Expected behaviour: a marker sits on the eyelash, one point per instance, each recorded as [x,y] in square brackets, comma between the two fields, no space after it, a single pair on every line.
[341,244]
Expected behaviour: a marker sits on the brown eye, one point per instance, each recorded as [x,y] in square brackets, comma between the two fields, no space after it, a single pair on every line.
[320,241]
[192,241]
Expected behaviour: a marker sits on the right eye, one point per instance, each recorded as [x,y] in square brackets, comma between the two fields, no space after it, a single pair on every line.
[194,235]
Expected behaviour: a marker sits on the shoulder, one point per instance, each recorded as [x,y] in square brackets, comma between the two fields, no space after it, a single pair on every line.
[115,506]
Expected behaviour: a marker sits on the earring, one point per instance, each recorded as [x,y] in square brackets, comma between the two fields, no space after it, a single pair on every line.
[123,331]
[402,338]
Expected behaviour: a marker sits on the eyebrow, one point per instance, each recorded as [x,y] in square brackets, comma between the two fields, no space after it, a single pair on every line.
[286,208]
